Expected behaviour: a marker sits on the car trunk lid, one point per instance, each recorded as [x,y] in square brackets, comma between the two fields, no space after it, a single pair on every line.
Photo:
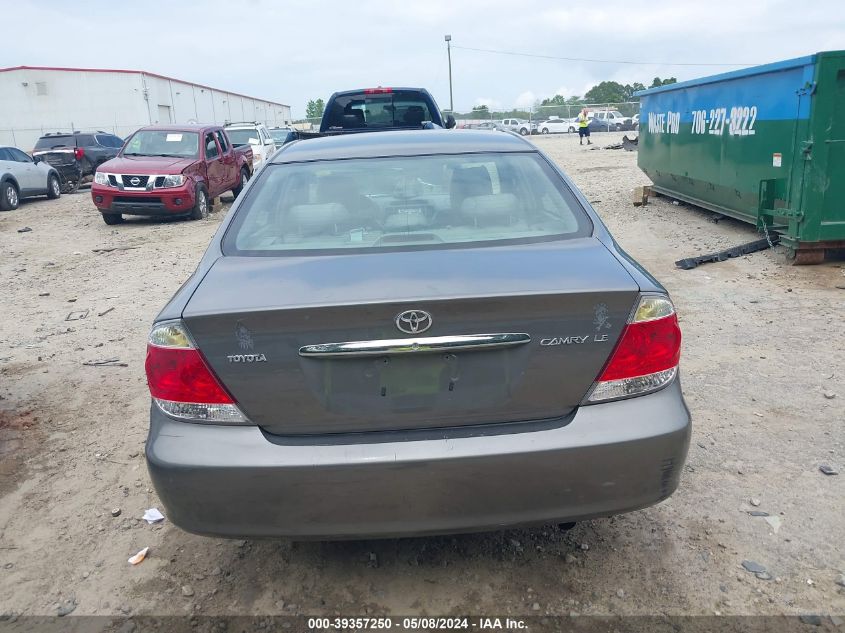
[263,324]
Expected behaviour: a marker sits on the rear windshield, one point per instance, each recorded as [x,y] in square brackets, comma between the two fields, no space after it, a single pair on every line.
[163,143]
[243,137]
[56,140]
[107,140]
[361,110]
[403,203]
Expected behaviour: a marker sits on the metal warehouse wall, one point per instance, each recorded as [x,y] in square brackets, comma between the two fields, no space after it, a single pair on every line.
[35,101]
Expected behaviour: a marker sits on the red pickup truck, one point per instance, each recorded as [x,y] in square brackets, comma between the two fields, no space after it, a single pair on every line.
[170,170]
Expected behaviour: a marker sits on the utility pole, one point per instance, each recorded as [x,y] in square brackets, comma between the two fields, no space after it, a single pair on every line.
[448,39]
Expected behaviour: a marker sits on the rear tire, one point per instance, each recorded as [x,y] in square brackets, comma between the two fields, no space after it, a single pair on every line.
[9,197]
[54,187]
[236,191]
[201,205]
[86,168]
[545,130]
[112,218]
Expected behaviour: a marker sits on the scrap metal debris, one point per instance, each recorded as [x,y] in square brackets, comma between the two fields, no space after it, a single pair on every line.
[736,251]
[630,144]
[108,362]
[105,312]
[113,248]
[25,229]
[77,315]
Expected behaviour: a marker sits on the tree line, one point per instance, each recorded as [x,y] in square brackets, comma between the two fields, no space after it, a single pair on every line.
[608,92]
[560,105]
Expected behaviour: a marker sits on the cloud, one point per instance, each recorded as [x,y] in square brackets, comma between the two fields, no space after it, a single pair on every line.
[402,45]
[492,104]
[525,99]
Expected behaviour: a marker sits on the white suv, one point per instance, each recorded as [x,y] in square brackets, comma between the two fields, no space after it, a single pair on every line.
[612,120]
[519,125]
[24,177]
[257,136]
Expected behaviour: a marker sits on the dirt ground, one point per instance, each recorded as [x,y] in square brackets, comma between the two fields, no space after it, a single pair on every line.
[763,368]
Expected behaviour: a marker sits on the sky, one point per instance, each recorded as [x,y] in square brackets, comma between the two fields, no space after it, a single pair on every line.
[293,51]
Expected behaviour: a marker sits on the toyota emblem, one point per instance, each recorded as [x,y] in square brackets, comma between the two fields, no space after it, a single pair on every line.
[135,181]
[413,321]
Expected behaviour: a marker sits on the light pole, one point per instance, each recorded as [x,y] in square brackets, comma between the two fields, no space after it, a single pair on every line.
[448,39]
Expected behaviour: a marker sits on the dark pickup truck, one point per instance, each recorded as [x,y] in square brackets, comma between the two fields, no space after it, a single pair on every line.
[170,170]
[377,109]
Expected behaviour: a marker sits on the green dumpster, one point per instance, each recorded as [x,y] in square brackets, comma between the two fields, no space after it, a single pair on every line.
[765,145]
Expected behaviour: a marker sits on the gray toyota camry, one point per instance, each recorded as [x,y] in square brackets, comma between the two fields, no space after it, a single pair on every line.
[404,333]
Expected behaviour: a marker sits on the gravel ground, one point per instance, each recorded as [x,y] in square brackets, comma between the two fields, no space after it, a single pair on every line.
[763,369]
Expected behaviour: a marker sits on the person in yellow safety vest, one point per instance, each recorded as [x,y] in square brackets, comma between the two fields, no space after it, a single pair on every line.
[584,127]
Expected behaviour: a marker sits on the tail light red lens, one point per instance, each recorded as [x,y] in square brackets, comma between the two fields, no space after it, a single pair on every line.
[78,153]
[646,357]
[645,348]
[180,375]
[180,381]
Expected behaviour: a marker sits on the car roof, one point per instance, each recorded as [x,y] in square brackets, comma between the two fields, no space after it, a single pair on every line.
[400,143]
[341,93]
[75,133]
[188,127]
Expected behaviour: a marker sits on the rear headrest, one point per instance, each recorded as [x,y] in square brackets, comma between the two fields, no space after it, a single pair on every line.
[337,188]
[353,119]
[467,182]
[317,219]
[414,115]
[490,209]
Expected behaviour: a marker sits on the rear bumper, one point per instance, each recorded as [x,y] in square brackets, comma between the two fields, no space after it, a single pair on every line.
[173,201]
[234,481]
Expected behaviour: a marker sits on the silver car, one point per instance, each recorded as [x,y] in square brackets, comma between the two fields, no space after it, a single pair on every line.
[22,177]
[412,332]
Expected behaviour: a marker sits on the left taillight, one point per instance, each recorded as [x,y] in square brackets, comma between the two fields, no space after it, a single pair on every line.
[180,381]
[78,153]
[646,357]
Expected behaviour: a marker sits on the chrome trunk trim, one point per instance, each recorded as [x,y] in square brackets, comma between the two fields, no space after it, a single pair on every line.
[417,345]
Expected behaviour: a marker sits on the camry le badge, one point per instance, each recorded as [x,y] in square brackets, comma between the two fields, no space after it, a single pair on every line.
[413,321]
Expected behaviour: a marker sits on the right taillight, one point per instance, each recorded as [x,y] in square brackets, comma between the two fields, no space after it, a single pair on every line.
[646,357]
[180,381]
